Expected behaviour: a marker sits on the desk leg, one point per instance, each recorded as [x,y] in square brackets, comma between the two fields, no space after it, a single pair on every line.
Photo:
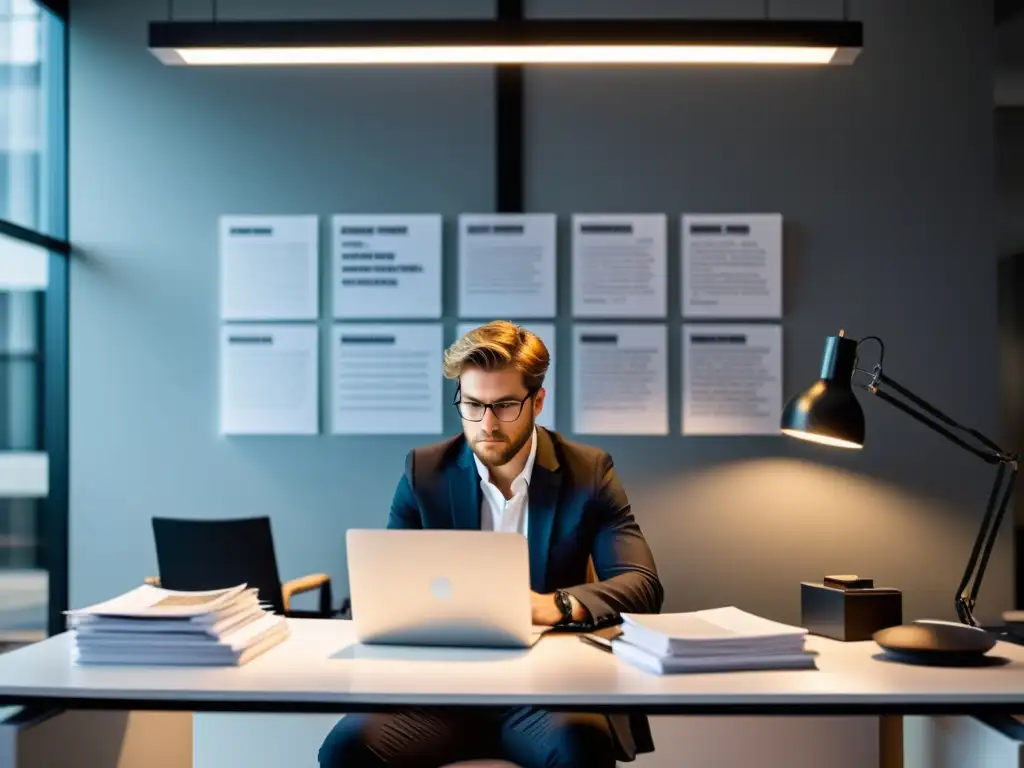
[890,741]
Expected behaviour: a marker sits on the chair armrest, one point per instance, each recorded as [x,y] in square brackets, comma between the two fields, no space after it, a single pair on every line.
[153,581]
[308,583]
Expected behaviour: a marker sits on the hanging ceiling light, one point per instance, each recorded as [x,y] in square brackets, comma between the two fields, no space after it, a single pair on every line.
[501,41]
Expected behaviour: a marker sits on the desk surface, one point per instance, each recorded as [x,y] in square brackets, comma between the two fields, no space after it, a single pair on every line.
[321,668]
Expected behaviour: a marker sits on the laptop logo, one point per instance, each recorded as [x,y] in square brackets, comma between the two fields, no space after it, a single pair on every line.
[441,588]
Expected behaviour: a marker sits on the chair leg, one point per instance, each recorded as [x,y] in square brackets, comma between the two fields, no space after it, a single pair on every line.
[326,600]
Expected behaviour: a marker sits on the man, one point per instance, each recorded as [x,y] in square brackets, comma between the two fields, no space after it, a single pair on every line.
[506,474]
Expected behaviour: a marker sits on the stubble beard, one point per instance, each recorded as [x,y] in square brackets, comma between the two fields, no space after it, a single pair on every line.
[510,451]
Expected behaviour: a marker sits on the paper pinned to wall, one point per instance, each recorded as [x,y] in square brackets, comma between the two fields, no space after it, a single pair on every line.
[546,333]
[619,265]
[507,265]
[269,268]
[620,379]
[269,379]
[732,265]
[732,379]
[387,378]
[386,266]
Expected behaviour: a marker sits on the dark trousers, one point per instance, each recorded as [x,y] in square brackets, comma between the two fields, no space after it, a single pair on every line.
[429,738]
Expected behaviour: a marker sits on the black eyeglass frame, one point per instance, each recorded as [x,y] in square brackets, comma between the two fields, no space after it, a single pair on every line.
[457,401]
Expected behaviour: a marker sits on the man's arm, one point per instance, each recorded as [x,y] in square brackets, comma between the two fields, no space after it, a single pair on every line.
[628,580]
[404,511]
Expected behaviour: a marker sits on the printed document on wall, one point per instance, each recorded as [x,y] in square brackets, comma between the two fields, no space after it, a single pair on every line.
[507,265]
[546,333]
[732,379]
[268,379]
[620,379]
[619,265]
[387,379]
[732,265]
[387,266]
[269,268]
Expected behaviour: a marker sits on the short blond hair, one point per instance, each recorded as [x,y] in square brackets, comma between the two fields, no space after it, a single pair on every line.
[497,345]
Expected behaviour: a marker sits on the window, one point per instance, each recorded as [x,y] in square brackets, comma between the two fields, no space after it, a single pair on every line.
[31,63]
[33,322]
[20,419]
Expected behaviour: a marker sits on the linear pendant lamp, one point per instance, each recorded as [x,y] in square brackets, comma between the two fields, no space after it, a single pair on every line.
[503,41]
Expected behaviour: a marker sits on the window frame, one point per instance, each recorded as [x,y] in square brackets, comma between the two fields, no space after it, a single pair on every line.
[53,318]
[55,337]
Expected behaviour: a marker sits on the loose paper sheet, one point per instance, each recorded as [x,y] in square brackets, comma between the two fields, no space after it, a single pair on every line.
[387,378]
[620,379]
[387,266]
[269,268]
[732,265]
[269,379]
[619,265]
[732,379]
[507,266]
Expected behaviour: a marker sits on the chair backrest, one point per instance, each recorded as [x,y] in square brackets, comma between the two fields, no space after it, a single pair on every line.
[213,554]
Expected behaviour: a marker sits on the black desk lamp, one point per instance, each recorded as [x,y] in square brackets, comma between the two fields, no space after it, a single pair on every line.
[829,413]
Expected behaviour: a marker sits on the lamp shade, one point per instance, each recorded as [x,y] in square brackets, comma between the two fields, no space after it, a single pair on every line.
[828,412]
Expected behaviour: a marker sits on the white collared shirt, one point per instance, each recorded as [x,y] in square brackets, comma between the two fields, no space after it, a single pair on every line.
[506,515]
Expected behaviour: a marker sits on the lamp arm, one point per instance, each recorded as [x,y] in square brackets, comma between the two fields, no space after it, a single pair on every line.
[998,499]
[926,406]
[988,534]
[992,457]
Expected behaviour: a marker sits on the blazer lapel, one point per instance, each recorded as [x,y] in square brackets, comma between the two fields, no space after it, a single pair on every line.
[543,506]
[464,491]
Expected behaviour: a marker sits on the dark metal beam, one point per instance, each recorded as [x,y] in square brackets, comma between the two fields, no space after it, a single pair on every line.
[1004,10]
[508,122]
[58,7]
[18,232]
[504,31]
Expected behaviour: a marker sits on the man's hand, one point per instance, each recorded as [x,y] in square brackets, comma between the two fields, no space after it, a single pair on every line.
[546,613]
[545,610]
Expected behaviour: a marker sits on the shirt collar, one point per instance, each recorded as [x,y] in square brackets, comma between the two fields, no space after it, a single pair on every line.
[523,477]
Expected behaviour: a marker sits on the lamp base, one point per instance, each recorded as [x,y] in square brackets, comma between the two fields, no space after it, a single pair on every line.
[933,642]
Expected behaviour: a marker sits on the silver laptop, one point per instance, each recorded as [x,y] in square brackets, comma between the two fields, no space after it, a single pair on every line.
[438,587]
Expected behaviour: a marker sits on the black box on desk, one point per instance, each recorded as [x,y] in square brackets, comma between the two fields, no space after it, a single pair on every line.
[849,615]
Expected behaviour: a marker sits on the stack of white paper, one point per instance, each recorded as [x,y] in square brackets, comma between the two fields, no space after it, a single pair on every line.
[150,625]
[716,640]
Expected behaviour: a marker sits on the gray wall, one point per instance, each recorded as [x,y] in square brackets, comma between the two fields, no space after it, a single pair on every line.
[1009,178]
[883,172]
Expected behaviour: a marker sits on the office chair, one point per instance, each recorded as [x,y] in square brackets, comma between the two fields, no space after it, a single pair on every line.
[214,554]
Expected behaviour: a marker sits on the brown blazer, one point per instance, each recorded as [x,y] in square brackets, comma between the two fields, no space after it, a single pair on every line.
[579,516]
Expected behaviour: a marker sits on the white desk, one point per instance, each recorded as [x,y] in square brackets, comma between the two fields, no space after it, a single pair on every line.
[321,669]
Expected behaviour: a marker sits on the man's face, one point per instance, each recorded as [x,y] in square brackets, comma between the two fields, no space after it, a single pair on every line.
[496,440]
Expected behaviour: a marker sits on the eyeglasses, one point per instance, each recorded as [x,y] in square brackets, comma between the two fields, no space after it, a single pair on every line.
[504,410]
